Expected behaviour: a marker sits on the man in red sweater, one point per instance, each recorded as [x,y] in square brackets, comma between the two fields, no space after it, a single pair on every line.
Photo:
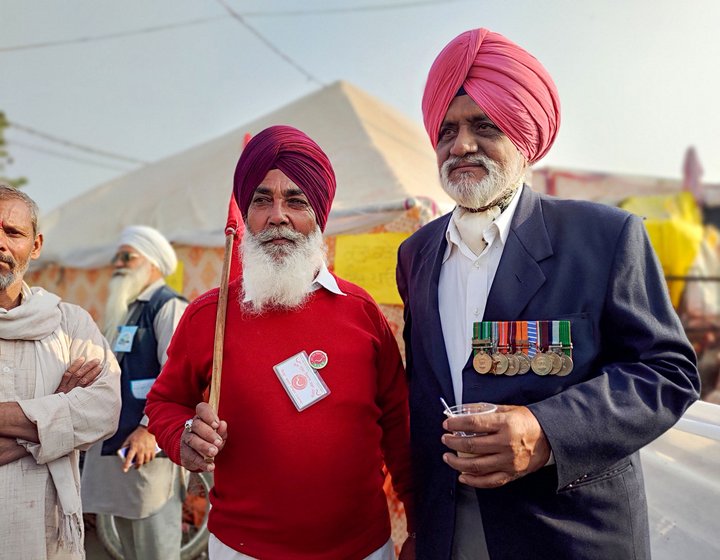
[313,392]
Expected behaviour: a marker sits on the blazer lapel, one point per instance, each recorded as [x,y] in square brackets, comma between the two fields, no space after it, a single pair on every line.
[429,323]
[519,276]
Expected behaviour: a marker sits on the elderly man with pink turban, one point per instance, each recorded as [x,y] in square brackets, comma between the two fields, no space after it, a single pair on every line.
[314,395]
[555,311]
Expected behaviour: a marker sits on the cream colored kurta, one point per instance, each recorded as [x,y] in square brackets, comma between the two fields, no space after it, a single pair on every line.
[31,512]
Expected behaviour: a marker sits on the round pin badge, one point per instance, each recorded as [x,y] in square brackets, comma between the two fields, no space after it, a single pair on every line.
[318,359]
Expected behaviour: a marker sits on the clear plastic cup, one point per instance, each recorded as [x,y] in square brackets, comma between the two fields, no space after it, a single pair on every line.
[465,410]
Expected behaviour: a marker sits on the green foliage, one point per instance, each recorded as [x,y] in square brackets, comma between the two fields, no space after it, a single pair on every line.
[5,156]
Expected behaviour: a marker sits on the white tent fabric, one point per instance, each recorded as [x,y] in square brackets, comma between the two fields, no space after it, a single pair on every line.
[682,478]
[380,157]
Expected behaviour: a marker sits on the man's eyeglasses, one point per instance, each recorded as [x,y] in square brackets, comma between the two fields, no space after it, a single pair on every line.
[124,256]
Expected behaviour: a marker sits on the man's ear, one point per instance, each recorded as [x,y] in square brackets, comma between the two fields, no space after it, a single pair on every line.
[37,246]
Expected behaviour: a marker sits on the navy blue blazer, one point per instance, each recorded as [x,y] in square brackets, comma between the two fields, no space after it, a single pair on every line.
[635,374]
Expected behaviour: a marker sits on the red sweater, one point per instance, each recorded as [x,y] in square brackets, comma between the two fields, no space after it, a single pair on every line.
[294,485]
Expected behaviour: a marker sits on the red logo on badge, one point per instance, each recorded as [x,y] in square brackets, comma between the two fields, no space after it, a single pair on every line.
[318,359]
[299,382]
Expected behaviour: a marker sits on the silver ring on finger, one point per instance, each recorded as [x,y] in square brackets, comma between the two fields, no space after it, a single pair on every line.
[189,425]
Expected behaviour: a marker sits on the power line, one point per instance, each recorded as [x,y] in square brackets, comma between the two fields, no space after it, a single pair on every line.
[351,9]
[201,21]
[64,156]
[74,145]
[268,44]
[119,34]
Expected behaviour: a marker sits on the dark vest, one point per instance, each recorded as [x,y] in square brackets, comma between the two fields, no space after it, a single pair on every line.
[140,363]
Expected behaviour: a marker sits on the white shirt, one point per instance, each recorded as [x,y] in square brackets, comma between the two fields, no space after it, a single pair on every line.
[465,282]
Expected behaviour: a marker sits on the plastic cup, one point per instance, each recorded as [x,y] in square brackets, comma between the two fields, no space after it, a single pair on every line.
[468,409]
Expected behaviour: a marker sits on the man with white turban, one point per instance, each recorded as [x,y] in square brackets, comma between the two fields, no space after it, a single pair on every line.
[122,475]
[554,310]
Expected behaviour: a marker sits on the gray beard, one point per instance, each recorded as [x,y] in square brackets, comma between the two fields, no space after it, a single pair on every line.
[277,276]
[125,285]
[17,271]
[498,184]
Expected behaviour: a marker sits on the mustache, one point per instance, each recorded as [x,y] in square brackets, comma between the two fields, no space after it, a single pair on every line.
[454,162]
[7,259]
[277,232]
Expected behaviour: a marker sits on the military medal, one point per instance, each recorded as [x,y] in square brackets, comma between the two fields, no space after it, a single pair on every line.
[542,363]
[482,362]
[500,361]
[522,345]
[513,362]
[566,345]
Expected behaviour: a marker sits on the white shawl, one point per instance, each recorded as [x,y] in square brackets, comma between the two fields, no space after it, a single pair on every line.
[37,318]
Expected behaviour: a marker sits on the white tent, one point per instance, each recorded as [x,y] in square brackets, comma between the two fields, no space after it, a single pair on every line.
[383,161]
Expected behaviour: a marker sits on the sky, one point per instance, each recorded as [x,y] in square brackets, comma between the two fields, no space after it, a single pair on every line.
[119,84]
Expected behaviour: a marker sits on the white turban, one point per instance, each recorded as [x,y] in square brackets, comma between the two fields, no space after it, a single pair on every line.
[152,245]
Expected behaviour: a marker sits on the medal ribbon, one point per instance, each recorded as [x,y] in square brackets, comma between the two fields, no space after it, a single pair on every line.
[532,337]
[476,335]
[565,337]
[555,341]
[543,335]
[503,341]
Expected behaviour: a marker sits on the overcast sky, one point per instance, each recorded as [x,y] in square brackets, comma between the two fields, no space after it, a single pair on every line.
[140,79]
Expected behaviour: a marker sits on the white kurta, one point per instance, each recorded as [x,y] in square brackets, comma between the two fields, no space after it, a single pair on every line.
[30,371]
[141,492]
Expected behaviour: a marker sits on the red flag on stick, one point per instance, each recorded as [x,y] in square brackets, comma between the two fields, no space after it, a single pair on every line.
[231,270]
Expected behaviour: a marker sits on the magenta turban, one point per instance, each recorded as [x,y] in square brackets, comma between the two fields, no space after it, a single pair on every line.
[294,153]
[505,81]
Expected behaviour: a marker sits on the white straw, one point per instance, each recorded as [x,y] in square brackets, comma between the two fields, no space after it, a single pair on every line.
[448,412]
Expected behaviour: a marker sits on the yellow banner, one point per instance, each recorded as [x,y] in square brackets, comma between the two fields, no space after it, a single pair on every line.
[175,280]
[369,260]
[674,225]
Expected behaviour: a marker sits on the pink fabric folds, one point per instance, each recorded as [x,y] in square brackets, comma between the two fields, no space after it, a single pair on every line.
[294,153]
[507,83]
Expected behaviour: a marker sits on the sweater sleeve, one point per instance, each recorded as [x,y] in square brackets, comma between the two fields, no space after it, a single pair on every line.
[179,387]
[392,399]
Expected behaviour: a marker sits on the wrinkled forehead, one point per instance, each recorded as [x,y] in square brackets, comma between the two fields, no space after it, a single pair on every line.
[15,213]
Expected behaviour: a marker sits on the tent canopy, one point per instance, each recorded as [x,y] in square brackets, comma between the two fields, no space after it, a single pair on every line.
[380,157]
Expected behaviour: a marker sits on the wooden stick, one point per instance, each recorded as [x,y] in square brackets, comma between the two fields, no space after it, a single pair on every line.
[220,323]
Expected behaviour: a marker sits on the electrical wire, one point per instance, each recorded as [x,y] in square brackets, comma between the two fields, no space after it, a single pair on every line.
[268,44]
[64,156]
[74,145]
[119,34]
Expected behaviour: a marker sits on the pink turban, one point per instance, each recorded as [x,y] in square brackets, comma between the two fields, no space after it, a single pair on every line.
[505,81]
[295,154]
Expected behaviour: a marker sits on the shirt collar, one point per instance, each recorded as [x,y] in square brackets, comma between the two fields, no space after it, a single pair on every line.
[147,293]
[501,226]
[324,279]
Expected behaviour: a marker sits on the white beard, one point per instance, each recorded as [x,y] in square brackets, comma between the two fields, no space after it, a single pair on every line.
[469,193]
[125,285]
[277,276]
[17,270]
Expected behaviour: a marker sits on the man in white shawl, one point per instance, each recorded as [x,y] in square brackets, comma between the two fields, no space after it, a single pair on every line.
[59,393]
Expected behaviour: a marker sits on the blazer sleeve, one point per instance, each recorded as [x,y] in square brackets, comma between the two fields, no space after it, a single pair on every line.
[647,376]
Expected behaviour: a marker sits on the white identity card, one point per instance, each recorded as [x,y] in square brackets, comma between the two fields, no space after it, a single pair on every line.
[124,342]
[303,384]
